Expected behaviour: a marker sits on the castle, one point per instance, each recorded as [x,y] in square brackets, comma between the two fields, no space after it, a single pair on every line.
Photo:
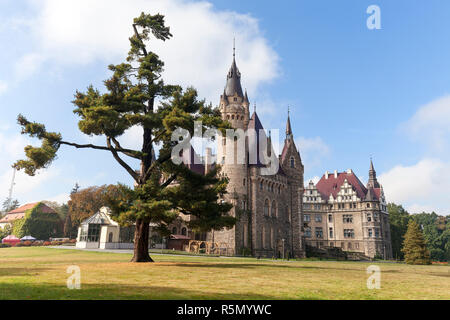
[339,211]
[277,215]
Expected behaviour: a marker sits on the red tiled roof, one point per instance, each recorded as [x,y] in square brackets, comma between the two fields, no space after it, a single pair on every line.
[332,185]
[377,192]
[24,208]
[19,213]
[10,217]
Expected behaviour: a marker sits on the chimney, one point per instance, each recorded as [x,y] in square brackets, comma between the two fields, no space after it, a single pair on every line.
[335,174]
[208,160]
[326,175]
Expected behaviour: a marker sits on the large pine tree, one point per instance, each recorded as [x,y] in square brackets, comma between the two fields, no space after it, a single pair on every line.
[414,245]
[130,100]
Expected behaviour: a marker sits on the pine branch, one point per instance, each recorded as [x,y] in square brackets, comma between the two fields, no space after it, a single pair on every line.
[169,181]
[130,153]
[156,163]
[92,146]
[121,162]
[140,39]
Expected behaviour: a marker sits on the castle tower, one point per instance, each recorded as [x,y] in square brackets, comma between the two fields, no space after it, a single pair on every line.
[232,154]
[234,104]
[291,164]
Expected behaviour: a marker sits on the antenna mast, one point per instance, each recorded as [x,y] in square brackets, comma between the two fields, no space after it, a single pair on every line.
[12,186]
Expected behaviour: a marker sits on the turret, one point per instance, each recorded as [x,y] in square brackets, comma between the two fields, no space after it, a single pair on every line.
[234,104]
[373,182]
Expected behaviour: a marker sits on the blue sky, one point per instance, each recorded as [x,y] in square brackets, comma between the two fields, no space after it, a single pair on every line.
[354,92]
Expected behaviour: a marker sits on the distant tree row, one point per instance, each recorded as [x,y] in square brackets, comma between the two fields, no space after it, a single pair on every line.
[434,229]
[8,205]
[84,203]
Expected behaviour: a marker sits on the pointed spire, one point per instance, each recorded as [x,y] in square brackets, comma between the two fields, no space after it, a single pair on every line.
[246,97]
[234,48]
[288,126]
[234,78]
[373,182]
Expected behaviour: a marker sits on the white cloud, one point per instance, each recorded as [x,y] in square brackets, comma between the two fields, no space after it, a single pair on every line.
[61,198]
[422,186]
[312,150]
[82,31]
[27,66]
[431,124]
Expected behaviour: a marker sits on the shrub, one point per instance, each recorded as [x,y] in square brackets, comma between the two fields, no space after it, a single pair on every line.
[73,241]
[27,243]
[47,243]
[5,245]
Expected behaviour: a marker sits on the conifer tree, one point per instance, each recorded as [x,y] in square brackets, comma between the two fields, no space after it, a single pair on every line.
[131,100]
[414,245]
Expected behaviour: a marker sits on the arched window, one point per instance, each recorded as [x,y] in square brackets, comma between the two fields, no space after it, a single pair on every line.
[184,231]
[261,185]
[174,230]
[228,117]
[292,162]
[274,209]
[266,207]
[232,117]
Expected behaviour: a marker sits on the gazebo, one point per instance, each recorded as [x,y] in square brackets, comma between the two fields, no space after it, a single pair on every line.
[11,239]
[100,231]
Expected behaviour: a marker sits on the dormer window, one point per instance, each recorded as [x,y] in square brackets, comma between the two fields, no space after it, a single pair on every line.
[292,162]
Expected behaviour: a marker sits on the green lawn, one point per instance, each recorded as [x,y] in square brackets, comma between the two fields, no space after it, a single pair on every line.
[40,273]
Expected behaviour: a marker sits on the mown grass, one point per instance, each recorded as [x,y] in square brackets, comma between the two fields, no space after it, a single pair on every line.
[40,273]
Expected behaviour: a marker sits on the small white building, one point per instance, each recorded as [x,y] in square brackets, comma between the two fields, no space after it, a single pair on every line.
[100,231]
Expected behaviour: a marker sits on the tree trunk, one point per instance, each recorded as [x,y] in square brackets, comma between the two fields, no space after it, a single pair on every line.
[141,237]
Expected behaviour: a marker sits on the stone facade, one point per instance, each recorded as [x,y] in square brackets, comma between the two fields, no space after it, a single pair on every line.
[268,207]
[277,217]
[339,211]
